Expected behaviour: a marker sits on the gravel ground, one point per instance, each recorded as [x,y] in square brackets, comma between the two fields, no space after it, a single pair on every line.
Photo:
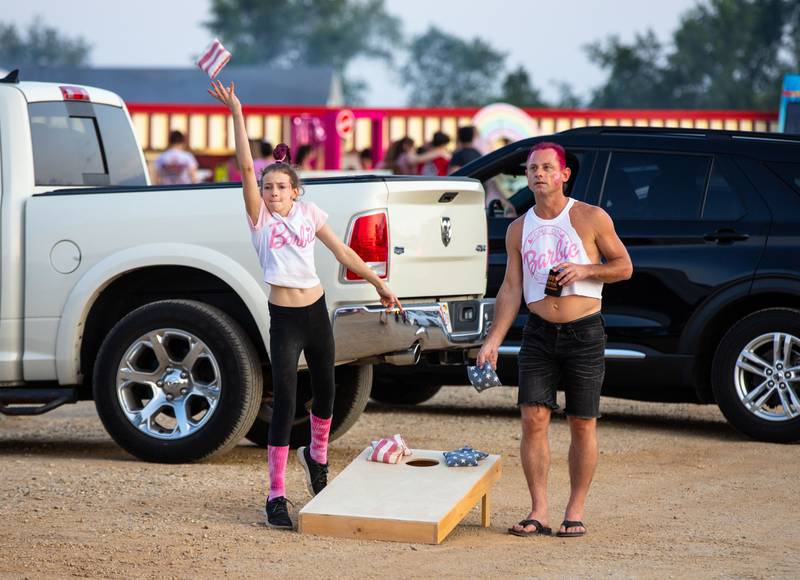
[677,494]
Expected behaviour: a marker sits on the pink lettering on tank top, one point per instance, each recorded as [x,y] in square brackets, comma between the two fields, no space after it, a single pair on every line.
[545,247]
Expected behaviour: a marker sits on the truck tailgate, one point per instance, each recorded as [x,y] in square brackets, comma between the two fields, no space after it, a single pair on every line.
[437,230]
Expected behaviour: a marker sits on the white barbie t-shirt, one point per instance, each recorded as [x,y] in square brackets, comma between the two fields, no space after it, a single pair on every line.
[285,245]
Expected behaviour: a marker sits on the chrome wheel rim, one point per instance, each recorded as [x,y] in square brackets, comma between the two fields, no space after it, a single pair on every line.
[767,376]
[168,384]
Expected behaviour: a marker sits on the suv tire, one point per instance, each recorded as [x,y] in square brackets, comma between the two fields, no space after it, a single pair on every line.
[758,392]
[177,381]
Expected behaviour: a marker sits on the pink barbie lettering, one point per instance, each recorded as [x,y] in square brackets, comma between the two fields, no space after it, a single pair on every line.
[555,246]
[279,236]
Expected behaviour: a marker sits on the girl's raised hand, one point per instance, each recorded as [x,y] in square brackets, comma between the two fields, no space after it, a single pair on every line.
[226,96]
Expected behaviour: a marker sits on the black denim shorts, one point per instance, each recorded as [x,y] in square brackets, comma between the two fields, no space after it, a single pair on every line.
[569,355]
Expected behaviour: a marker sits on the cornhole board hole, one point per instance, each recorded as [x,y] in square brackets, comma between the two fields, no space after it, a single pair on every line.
[419,500]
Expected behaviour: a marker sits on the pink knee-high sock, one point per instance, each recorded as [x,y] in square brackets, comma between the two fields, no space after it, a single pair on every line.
[320,429]
[276,459]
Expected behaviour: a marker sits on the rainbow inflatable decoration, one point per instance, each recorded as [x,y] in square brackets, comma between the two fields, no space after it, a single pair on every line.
[503,121]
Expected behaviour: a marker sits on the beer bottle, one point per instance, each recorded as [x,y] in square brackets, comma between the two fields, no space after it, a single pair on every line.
[552,287]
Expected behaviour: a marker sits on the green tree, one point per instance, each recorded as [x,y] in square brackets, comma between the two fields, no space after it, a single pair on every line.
[567,97]
[793,35]
[635,72]
[444,70]
[729,54]
[306,32]
[517,90]
[724,54]
[40,45]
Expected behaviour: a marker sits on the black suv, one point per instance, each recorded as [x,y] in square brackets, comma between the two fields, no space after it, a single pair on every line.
[711,220]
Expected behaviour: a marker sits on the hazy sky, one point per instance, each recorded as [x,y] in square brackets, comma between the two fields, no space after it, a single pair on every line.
[545,37]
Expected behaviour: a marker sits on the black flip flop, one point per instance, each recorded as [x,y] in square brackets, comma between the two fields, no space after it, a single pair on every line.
[566,524]
[538,529]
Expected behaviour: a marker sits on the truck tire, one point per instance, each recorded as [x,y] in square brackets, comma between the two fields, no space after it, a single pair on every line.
[756,375]
[177,381]
[352,394]
[393,392]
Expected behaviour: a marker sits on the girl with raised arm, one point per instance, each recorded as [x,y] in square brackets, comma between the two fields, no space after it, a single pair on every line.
[284,230]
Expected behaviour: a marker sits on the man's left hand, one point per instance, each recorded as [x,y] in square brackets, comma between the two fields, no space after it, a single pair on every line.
[573,272]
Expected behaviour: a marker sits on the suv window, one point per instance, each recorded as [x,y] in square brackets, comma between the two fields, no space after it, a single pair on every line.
[83,144]
[648,186]
[723,203]
[788,172]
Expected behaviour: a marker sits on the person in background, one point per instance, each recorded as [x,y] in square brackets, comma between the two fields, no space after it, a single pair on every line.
[260,150]
[231,170]
[305,160]
[262,154]
[437,165]
[391,160]
[465,149]
[503,142]
[402,159]
[494,192]
[365,159]
[176,165]
[501,187]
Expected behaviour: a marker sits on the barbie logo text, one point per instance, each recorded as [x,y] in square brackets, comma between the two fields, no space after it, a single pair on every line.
[545,248]
[280,236]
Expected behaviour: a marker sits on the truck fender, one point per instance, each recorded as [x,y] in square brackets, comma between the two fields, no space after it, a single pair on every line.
[91,284]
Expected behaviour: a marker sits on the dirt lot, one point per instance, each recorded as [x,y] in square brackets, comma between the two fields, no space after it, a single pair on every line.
[677,494]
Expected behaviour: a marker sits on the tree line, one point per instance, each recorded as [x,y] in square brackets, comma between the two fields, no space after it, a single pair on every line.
[724,54]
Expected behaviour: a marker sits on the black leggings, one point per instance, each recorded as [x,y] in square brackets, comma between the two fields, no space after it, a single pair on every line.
[292,330]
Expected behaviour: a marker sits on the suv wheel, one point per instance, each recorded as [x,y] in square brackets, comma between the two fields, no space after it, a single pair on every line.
[756,375]
[176,381]
[351,396]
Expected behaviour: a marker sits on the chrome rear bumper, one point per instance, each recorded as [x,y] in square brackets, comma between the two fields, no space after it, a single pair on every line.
[363,332]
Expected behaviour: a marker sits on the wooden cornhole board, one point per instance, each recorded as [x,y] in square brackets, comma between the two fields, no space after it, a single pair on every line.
[403,503]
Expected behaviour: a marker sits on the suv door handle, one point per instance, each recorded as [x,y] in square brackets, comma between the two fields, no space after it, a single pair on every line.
[725,236]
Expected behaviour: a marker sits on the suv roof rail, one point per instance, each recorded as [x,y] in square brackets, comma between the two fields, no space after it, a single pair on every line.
[680,132]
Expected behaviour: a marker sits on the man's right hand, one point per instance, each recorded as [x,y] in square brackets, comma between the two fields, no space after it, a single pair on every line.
[488,353]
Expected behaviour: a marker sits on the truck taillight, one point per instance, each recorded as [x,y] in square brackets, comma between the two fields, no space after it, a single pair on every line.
[369,238]
[71,93]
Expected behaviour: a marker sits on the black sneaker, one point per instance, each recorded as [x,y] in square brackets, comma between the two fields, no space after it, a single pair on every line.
[277,514]
[316,473]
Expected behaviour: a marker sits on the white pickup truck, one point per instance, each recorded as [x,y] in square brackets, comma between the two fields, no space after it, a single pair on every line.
[150,300]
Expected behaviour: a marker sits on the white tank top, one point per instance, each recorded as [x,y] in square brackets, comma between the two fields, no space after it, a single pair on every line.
[546,244]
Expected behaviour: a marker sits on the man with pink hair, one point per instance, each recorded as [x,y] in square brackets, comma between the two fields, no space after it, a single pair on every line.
[560,253]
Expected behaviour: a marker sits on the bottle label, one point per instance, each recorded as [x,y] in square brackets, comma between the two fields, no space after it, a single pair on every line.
[552,287]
